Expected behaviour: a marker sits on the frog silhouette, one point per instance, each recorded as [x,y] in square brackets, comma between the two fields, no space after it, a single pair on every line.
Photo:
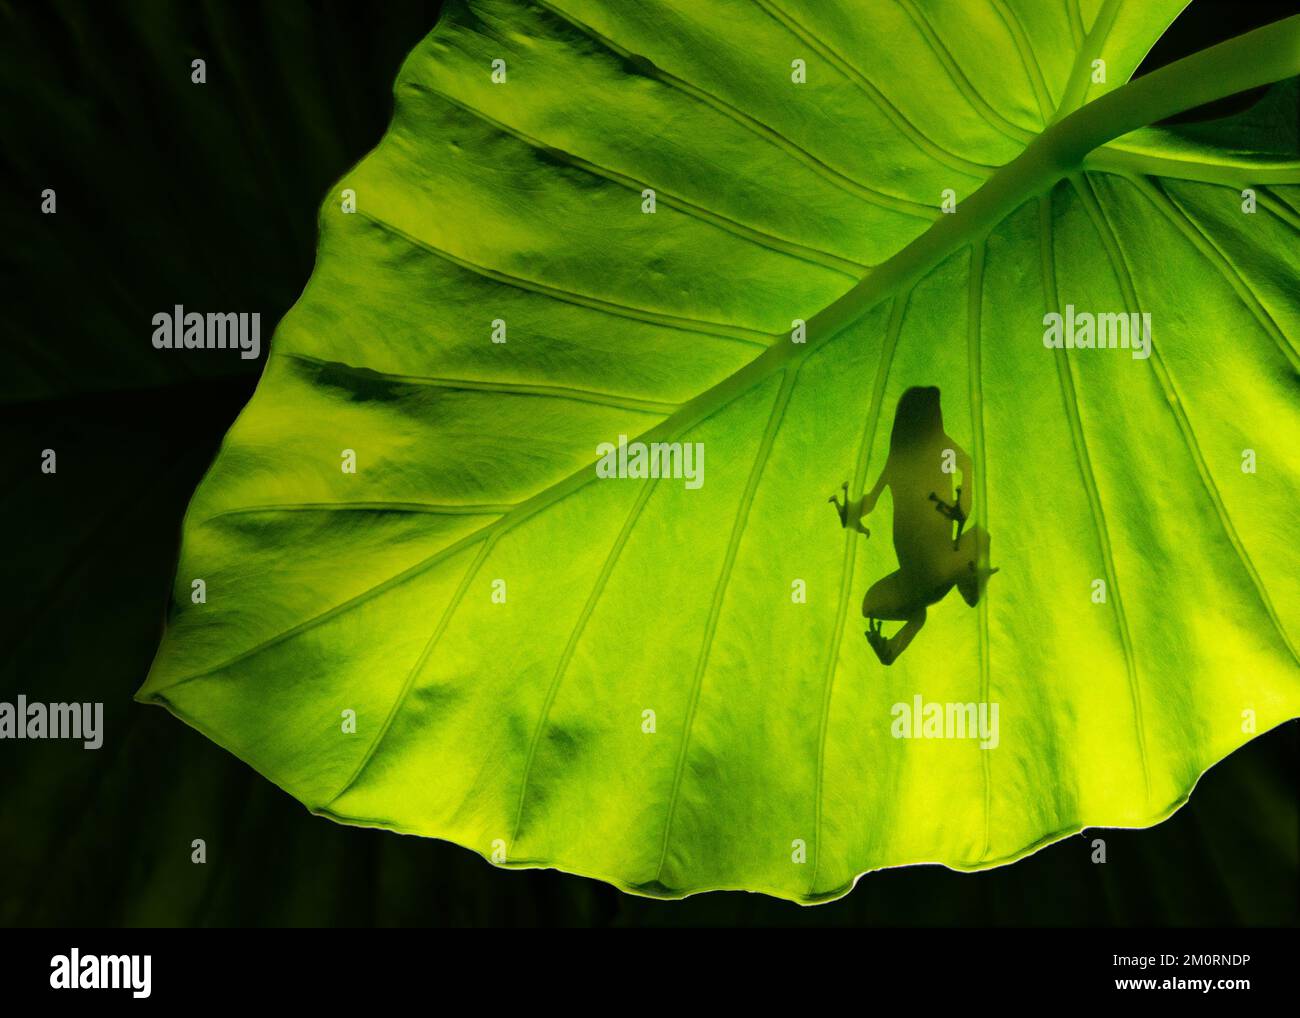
[936,550]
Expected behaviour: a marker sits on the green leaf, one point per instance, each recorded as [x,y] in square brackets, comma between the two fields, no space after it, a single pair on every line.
[517,728]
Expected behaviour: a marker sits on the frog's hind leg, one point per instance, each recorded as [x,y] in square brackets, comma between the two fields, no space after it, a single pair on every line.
[972,566]
[888,648]
[891,599]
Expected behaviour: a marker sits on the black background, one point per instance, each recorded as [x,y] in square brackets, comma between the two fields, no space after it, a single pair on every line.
[207,195]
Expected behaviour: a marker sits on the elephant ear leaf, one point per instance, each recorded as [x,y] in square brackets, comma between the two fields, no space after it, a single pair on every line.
[523,541]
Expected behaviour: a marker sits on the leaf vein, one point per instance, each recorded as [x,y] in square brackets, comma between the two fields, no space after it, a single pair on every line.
[982,106]
[431,508]
[979,493]
[415,669]
[718,330]
[1024,49]
[575,634]
[715,610]
[932,148]
[1110,241]
[1199,237]
[816,256]
[843,181]
[610,399]
[1070,399]
[861,464]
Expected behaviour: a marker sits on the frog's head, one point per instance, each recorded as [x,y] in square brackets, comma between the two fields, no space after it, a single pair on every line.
[917,418]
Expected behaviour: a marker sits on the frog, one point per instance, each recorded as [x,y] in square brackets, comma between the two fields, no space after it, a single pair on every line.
[935,548]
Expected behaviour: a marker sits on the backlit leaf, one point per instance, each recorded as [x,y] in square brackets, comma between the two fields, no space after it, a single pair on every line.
[500,619]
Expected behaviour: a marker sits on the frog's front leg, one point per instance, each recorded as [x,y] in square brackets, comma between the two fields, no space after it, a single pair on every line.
[843,509]
[959,514]
[952,511]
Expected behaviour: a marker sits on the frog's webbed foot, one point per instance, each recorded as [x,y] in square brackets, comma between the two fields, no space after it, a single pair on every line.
[972,587]
[878,642]
[889,649]
[842,508]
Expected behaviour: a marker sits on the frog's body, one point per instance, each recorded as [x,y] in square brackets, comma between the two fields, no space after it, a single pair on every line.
[931,560]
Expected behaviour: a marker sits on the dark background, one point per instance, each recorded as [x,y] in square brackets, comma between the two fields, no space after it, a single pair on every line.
[206,195]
